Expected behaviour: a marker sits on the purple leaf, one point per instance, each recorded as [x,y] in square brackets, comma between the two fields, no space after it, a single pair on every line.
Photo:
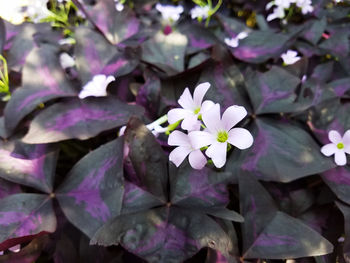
[49,83]
[338,180]
[164,234]
[36,168]
[93,54]
[24,216]
[167,52]
[260,46]
[314,30]
[199,188]
[93,190]
[7,188]
[281,152]
[116,26]
[337,44]
[2,35]
[148,159]
[345,209]
[80,119]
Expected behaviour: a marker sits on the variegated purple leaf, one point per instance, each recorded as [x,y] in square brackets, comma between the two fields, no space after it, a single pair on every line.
[24,216]
[164,234]
[199,188]
[23,41]
[147,158]
[116,26]
[29,253]
[214,256]
[281,152]
[286,237]
[274,91]
[227,83]
[2,35]
[80,119]
[314,30]
[136,199]
[271,234]
[337,44]
[167,52]
[93,191]
[256,206]
[340,86]
[93,53]
[338,180]
[49,83]
[345,209]
[198,37]
[3,133]
[7,188]
[260,46]
[34,167]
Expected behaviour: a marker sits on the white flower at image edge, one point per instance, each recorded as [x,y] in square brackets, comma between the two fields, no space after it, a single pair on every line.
[278,12]
[191,108]
[170,12]
[290,57]
[339,146]
[233,42]
[219,132]
[195,157]
[96,87]
[200,12]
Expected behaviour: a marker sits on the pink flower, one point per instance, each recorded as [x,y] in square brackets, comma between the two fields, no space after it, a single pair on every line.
[196,158]
[192,108]
[219,132]
[339,146]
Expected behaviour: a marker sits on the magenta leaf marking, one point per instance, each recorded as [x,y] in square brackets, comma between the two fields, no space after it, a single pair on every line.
[88,192]
[81,114]
[270,240]
[28,223]
[338,175]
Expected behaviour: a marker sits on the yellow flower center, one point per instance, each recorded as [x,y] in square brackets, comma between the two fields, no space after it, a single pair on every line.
[340,145]
[222,136]
[197,110]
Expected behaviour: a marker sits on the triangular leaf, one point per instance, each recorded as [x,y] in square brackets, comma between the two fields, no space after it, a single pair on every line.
[81,119]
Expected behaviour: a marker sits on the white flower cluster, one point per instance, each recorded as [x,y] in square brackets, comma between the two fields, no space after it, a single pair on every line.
[15,11]
[280,6]
[206,129]
[234,41]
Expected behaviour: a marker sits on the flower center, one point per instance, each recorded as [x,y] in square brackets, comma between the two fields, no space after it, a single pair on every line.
[222,136]
[197,110]
[340,145]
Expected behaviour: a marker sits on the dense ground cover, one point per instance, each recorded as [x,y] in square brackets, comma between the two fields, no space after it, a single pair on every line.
[209,131]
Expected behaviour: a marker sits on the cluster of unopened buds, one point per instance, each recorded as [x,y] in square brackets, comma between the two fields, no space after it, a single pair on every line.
[206,134]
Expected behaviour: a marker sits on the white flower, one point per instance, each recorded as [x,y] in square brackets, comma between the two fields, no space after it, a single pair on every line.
[200,12]
[192,108]
[305,5]
[118,6]
[278,12]
[196,158]
[37,10]
[233,42]
[290,57]
[339,146]
[66,60]
[169,12]
[219,132]
[96,87]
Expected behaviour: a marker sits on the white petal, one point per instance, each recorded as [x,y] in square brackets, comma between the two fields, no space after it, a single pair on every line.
[191,123]
[329,149]
[212,119]
[178,155]
[217,152]
[241,138]
[186,100]
[242,35]
[206,105]
[177,114]
[346,138]
[177,138]
[233,115]
[199,93]
[197,159]
[340,158]
[200,139]
[335,137]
